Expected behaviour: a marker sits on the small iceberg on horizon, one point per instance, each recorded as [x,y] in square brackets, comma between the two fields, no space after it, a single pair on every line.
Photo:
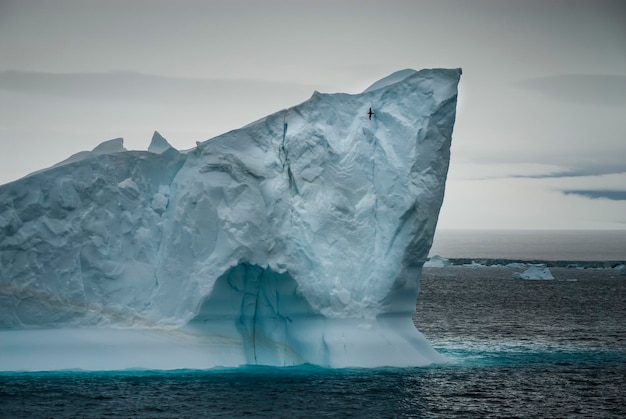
[437,262]
[535,272]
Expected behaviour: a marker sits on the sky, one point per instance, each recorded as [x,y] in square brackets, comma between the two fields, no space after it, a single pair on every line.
[540,135]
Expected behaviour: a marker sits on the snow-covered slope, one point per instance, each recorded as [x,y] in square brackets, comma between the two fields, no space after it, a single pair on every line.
[393,78]
[298,238]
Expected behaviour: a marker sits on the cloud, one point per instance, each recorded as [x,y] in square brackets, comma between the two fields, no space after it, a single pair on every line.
[596,89]
[485,169]
[577,172]
[144,88]
[598,194]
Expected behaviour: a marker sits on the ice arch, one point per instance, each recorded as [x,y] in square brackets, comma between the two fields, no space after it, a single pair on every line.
[263,320]
[259,308]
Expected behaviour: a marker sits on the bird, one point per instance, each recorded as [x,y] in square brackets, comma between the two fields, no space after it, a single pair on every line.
[370,113]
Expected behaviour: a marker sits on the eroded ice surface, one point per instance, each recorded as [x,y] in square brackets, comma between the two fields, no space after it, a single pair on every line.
[299,238]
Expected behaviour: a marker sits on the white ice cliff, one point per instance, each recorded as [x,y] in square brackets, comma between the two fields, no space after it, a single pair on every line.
[298,238]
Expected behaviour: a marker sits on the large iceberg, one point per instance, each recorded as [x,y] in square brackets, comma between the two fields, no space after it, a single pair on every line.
[299,238]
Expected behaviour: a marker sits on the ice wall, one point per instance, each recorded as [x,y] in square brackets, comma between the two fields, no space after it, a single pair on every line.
[297,239]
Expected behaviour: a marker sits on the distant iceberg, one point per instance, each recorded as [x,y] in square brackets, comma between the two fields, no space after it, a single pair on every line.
[437,261]
[535,272]
[299,238]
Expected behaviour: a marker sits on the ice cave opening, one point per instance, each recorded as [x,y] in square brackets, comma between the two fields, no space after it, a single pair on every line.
[262,309]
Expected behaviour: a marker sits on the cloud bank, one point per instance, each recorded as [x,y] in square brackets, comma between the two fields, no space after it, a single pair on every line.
[600,170]
[143,88]
[595,89]
[598,194]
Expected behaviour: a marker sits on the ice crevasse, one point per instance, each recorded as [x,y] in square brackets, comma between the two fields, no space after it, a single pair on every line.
[298,238]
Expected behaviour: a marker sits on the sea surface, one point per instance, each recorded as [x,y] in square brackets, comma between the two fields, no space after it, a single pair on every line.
[516,348]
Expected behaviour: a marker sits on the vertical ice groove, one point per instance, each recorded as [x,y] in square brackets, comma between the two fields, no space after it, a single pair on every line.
[254,323]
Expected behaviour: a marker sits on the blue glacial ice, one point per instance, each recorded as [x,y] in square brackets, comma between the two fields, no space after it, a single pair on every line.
[299,238]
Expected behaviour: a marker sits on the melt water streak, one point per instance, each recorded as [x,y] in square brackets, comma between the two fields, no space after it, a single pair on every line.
[298,238]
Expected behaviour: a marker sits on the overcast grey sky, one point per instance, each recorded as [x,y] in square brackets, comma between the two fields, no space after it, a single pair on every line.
[540,139]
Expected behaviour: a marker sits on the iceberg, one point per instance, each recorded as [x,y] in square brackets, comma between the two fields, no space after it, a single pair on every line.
[535,272]
[437,261]
[299,238]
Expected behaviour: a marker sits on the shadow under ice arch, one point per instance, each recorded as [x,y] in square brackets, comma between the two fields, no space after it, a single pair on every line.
[266,322]
[262,310]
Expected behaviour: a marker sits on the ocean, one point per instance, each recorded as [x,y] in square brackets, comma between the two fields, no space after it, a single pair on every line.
[517,348]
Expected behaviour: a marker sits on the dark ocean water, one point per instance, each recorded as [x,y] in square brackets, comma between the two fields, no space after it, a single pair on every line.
[517,349]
